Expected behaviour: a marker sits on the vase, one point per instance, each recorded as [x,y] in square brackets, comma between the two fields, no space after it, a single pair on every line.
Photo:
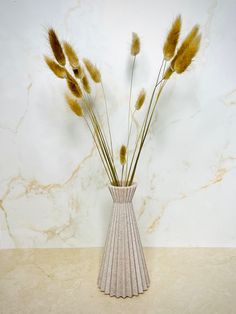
[123,271]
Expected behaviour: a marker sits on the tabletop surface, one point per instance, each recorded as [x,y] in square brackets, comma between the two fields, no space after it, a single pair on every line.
[183,280]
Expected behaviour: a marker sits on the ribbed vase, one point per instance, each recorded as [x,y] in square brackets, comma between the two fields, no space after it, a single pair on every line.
[123,271]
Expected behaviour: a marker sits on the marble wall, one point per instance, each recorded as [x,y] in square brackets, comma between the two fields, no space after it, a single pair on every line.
[52,185]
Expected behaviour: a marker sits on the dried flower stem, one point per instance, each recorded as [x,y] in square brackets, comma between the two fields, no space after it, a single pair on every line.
[138,105]
[122,174]
[130,91]
[128,141]
[108,121]
[105,151]
[101,141]
[102,151]
[99,151]
[178,62]
[141,133]
[129,114]
[99,125]
[145,133]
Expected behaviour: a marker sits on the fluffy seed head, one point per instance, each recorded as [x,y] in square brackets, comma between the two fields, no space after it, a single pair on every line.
[74,88]
[172,39]
[56,47]
[55,67]
[71,55]
[78,72]
[96,130]
[135,45]
[185,59]
[123,155]
[140,100]
[85,84]
[93,71]
[74,105]
[186,42]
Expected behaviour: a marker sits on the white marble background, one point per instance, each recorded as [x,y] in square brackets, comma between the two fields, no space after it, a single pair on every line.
[52,185]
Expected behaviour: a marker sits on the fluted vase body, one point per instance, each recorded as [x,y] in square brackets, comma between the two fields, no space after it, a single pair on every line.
[123,271]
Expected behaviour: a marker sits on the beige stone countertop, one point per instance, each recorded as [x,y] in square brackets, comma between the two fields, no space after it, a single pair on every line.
[183,280]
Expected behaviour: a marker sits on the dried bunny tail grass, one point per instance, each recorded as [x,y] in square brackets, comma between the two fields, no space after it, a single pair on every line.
[96,130]
[93,71]
[78,72]
[56,68]
[56,47]
[74,87]
[169,71]
[185,59]
[85,84]
[140,100]
[186,42]
[74,105]
[172,39]
[123,155]
[135,45]
[71,55]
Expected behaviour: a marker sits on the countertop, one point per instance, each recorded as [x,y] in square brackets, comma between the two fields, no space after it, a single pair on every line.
[183,280]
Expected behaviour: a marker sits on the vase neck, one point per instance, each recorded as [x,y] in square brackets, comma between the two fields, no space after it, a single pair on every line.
[122,194]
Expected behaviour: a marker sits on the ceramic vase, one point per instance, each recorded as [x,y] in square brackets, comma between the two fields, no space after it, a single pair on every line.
[123,271]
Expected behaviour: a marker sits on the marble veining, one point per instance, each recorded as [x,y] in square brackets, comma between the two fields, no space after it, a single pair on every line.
[53,189]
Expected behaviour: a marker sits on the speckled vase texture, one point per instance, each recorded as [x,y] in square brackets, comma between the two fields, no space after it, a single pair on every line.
[123,271]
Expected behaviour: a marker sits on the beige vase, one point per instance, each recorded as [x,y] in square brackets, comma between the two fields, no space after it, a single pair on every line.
[123,271]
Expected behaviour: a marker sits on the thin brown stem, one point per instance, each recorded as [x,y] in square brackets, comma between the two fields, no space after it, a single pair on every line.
[144,126]
[107,151]
[153,93]
[145,119]
[100,137]
[101,127]
[130,91]
[98,149]
[101,142]
[122,173]
[140,136]
[145,134]
[108,120]
[127,145]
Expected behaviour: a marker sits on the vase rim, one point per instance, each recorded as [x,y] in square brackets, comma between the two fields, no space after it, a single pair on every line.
[118,187]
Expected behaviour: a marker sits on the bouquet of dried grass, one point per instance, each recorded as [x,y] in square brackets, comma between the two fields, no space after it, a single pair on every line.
[80,102]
